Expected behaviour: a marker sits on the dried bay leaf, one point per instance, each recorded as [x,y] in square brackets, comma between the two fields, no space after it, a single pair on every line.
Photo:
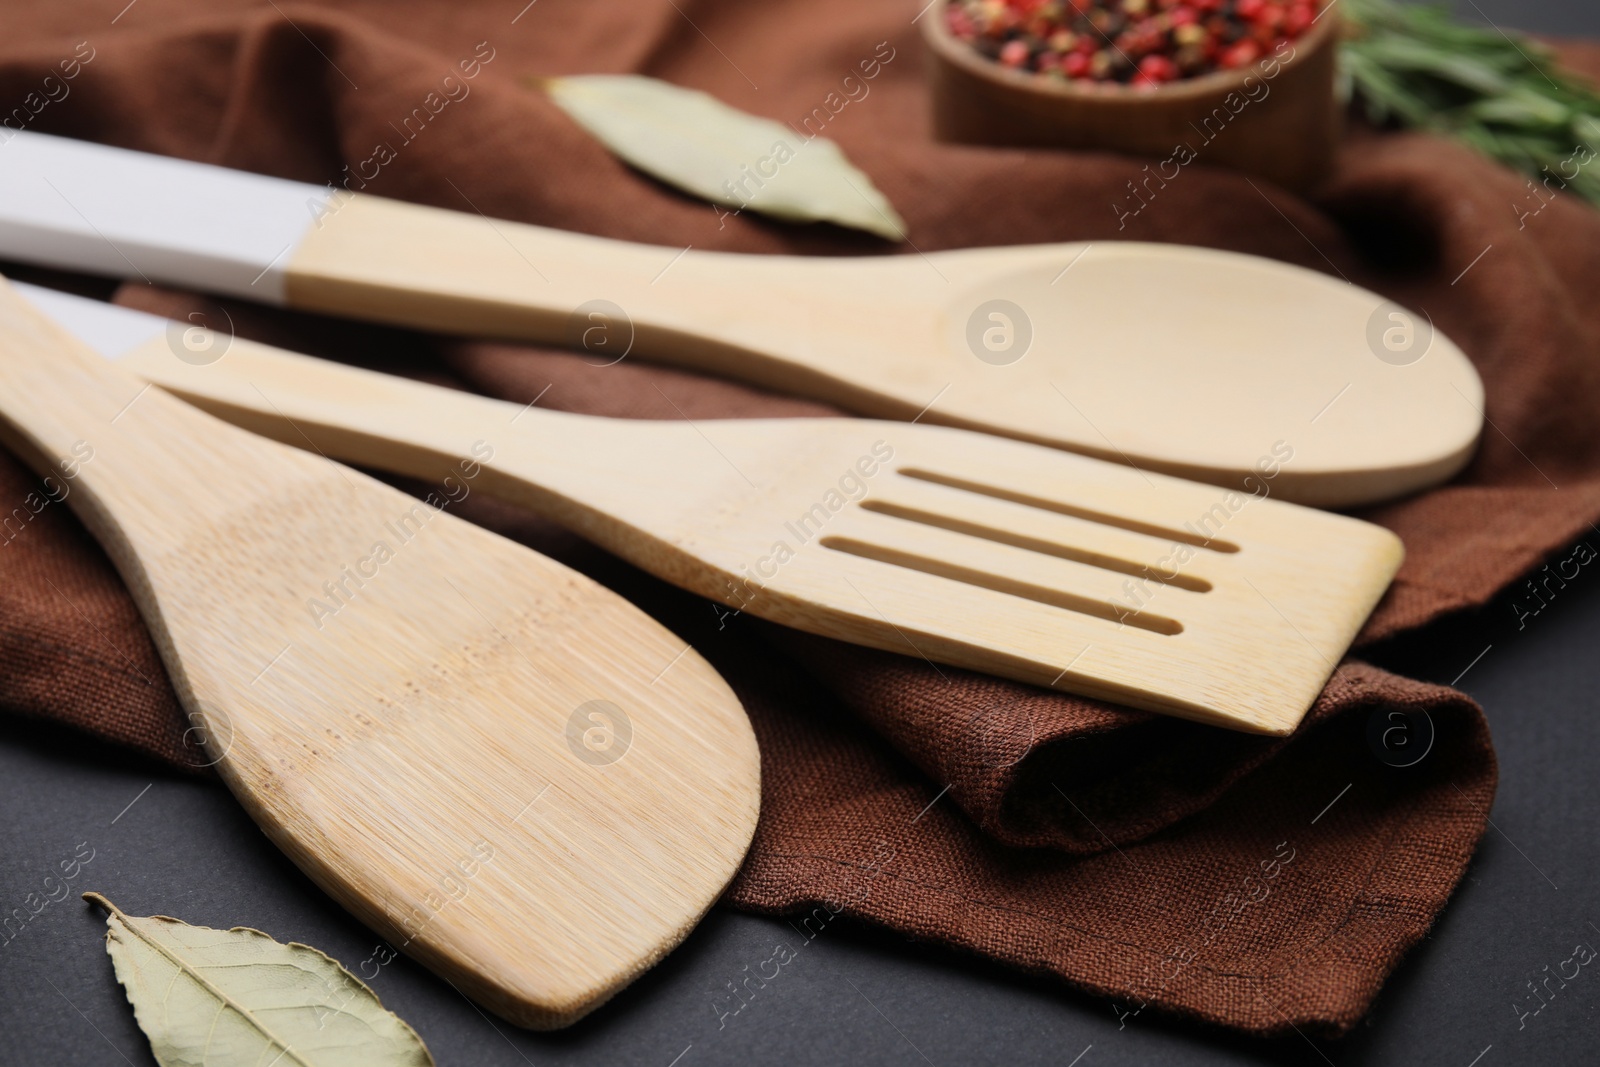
[695,142]
[226,997]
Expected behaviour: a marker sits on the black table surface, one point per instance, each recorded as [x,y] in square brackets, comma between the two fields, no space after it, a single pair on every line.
[162,843]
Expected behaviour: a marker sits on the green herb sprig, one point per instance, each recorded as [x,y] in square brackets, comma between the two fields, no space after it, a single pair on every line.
[1502,94]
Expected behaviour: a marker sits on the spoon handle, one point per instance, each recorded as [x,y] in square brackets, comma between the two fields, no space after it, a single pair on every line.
[85,206]
[796,323]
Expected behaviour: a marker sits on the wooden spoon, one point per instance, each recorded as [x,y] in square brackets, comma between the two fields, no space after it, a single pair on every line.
[961,548]
[500,766]
[1184,360]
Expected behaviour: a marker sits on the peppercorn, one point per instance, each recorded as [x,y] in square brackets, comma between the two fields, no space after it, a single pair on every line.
[1241,54]
[1191,60]
[1158,68]
[1143,43]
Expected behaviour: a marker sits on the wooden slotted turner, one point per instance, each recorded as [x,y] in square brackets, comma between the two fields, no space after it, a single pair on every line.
[505,769]
[1183,360]
[965,549]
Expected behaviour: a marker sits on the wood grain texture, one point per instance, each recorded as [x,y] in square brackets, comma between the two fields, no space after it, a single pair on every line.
[418,744]
[963,548]
[1184,360]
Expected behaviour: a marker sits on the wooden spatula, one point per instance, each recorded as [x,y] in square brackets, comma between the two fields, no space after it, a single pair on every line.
[1183,360]
[506,770]
[962,548]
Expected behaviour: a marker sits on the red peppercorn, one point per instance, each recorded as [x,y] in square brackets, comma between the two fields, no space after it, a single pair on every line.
[1240,54]
[1298,19]
[1158,68]
[1075,65]
[1014,53]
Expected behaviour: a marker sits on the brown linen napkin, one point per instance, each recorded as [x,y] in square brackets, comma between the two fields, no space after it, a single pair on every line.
[1145,859]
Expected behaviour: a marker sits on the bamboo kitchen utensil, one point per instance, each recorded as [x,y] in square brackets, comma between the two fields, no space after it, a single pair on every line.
[1185,360]
[500,766]
[962,548]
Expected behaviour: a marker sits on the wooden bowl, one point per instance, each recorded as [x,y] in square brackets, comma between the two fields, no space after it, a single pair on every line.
[1277,118]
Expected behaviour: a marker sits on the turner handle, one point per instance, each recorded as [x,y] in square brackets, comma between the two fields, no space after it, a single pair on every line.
[547,460]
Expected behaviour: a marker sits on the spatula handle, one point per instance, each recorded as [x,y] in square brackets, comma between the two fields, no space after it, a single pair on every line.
[563,465]
[51,393]
[73,418]
[291,397]
[103,441]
